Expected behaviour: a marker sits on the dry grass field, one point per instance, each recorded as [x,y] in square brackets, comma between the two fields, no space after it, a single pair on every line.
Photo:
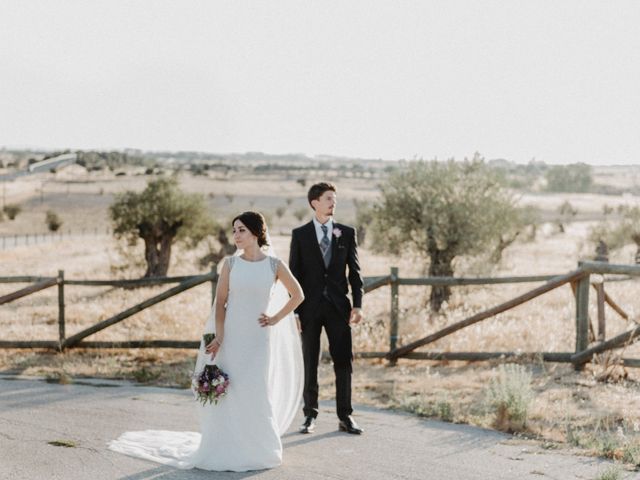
[568,407]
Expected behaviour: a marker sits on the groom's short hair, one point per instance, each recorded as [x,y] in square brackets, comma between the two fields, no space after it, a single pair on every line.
[316,190]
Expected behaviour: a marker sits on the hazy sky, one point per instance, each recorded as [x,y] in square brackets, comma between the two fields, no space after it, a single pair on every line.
[554,80]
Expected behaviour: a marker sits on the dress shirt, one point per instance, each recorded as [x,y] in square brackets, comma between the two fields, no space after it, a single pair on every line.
[320,233]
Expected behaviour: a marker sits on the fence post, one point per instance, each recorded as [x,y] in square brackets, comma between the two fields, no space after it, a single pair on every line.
[61,308]
[601,314]
[393,327]
[582,316]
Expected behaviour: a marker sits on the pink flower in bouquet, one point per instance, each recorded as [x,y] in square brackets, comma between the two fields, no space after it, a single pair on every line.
[210,384]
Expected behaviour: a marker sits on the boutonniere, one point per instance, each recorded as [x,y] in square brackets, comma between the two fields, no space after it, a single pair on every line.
[337,232]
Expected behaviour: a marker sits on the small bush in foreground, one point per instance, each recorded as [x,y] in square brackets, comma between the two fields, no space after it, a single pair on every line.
[510,395]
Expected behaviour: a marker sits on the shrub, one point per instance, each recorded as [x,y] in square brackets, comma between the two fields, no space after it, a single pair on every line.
[510,395]
[441,409]
[53,221]
[12,210]
[613,472]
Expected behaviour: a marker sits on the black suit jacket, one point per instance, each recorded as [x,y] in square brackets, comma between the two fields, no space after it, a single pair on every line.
[306,264]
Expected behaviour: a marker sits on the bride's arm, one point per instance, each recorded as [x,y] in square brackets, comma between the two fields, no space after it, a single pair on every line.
[296,296]
[222,292]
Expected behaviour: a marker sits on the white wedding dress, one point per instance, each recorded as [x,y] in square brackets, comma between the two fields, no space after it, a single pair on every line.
[242,432]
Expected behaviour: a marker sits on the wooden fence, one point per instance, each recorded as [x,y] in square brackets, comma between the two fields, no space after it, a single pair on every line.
[579,280]
[26,239]
[77,340]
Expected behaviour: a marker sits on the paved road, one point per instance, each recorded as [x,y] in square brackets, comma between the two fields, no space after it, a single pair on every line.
[395,446]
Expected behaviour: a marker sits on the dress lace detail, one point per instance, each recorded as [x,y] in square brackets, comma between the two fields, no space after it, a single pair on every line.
[231,261]
[274,265]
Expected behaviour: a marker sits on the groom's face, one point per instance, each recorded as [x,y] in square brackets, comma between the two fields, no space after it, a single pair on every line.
[326,204]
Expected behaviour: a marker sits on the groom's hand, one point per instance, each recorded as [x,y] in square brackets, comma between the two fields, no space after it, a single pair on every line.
[356,315]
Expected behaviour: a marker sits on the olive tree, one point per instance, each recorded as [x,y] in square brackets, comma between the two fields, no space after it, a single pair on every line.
[12,210]
[364,218]
[53,221]
[576,177]
[521,222]
[566,213]
[442,210]
[615,234]
[160,215]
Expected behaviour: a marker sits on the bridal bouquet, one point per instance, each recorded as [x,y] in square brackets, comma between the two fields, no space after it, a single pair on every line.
[211,384]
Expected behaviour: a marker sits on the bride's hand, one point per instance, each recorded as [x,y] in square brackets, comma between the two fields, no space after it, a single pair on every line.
[213,347]
[267,321]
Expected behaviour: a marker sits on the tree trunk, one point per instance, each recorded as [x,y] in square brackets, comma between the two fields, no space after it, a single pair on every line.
[496,256]
[440,267]
[636,238]
[157,253]
[150,255]
[165,255]
[157,246]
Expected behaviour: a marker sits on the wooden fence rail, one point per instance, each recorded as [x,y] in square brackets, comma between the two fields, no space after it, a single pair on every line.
[185,285]
[579,279]
[23,292]
[555,282]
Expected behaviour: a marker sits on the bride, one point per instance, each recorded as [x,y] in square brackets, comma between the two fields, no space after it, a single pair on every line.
[257,344]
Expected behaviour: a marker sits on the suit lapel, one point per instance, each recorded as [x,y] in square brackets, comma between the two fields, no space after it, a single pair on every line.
[312,238]
[334,244]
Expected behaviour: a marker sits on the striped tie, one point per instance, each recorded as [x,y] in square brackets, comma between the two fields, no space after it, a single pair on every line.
[324,246]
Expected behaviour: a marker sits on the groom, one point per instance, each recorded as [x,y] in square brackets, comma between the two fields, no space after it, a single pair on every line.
[320,253]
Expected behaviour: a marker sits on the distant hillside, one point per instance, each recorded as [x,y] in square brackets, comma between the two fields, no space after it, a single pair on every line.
[534,176]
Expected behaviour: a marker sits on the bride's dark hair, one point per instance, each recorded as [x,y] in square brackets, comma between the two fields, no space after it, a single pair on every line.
[256,224]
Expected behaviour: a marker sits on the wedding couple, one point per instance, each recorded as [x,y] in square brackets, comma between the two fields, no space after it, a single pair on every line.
[271,361]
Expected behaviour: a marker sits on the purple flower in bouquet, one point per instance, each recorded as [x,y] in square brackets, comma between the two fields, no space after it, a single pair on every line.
[211,384]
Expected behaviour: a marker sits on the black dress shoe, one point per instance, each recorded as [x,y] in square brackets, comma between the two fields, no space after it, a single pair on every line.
[349,425]
[309,425]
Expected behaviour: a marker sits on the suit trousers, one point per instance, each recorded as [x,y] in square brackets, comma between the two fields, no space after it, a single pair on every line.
[340,346]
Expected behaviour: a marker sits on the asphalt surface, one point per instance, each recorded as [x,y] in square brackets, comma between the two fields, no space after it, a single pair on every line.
[394,446]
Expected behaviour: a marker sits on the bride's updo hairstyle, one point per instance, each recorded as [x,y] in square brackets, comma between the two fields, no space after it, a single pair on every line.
[256,224]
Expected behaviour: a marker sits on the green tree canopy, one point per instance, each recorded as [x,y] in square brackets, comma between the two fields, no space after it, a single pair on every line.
[442,210]
[160,215]
[576,177]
